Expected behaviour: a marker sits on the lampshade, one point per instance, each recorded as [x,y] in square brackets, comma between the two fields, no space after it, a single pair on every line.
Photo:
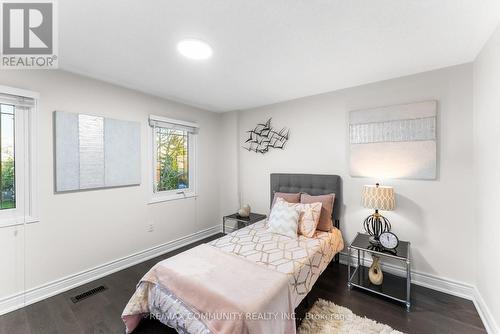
[378,197]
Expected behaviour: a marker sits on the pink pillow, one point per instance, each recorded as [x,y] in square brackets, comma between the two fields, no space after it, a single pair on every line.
[325,219]
[288,197]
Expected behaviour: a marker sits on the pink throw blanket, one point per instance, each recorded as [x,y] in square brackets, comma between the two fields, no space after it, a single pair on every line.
[215,285]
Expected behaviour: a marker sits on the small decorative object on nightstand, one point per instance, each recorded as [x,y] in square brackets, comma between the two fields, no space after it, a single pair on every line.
[241,222]
[392,286]
[378,198]
[244,212]
[375,273]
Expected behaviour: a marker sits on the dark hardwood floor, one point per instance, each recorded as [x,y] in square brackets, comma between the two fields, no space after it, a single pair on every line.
[432,312]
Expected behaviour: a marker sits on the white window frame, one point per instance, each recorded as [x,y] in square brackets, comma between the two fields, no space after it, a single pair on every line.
[26,162]
[169,195]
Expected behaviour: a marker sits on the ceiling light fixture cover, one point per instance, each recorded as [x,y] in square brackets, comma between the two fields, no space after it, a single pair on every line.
[194,49]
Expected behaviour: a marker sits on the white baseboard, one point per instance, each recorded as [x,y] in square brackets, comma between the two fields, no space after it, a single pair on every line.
[448,286]
[36,294]
[484,312]
[459,289]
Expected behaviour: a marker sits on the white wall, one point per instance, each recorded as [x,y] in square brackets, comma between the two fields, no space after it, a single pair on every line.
[487,173]
[85,229]
[229,164]
[436,216]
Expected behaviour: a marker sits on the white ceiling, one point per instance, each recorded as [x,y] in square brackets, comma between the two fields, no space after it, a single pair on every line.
[266,51]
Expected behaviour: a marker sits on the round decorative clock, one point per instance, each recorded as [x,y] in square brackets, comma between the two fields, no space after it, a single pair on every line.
[389,240]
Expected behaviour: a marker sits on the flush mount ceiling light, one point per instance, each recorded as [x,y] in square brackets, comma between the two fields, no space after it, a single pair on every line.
[194,49]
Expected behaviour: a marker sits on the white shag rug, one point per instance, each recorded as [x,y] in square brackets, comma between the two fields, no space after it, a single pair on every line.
[327,318]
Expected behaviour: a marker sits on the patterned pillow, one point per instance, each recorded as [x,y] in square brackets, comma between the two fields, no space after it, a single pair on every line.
[325,219]
[309,216]
[283,220]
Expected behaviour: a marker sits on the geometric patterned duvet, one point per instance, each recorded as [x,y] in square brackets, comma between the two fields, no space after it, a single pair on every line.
[302,259]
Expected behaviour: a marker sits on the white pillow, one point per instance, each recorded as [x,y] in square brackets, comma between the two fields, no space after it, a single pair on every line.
[283,220]
[309,216]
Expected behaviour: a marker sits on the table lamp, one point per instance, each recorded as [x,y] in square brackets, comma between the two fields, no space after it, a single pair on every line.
[379,198]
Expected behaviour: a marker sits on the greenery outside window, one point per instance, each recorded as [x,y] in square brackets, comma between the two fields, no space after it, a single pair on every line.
[7,160]
[174,158]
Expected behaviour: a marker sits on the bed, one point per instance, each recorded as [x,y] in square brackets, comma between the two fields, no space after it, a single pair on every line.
[249,281]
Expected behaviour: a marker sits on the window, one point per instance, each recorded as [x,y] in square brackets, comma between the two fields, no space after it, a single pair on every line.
[7,158]
[17,147]
[172,162]
[174,158]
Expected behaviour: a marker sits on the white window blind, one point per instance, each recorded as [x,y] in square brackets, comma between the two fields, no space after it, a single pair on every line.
[18,101]
[159,121]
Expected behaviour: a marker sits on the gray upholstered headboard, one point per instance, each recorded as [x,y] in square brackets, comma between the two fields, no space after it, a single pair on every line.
[313,184]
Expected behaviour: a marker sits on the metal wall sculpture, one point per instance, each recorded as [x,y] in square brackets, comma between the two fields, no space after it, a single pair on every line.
[263,137]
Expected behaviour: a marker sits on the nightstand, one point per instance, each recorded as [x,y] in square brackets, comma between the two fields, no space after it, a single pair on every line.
[241,222]
[393,286]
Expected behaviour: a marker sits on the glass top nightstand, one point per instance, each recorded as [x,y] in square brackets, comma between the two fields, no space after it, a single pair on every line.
[394,287]
[402,252]
[241,221]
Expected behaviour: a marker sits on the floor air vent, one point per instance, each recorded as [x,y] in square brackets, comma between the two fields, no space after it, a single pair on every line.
[88,294]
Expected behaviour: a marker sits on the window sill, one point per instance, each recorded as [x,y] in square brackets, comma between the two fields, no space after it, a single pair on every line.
[8,222]
[171,197]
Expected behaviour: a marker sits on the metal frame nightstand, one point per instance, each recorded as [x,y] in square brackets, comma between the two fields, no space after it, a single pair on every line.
[394,287]
[241,221]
